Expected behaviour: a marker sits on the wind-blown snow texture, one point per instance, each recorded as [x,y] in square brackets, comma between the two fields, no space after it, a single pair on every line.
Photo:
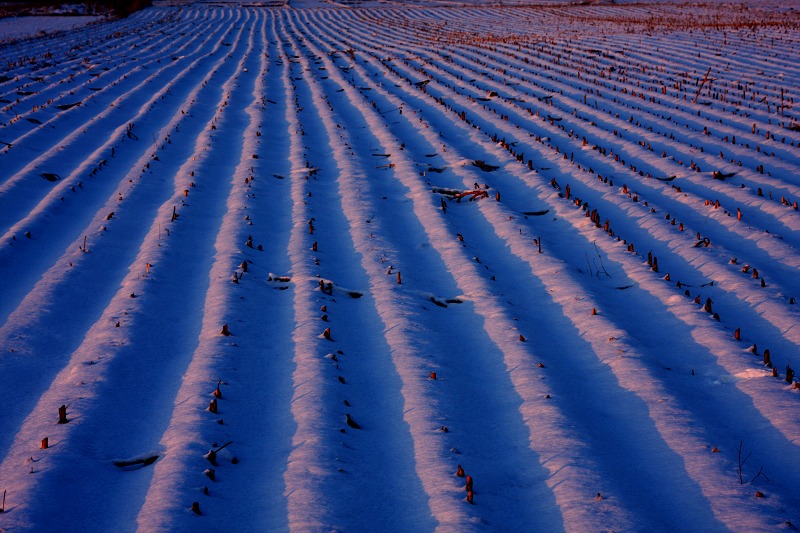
[13,28]
[554,245]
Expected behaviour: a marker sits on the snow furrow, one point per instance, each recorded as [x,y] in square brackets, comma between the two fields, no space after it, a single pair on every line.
[778,316]
[362,448]
[129,374]
[669,430]
[111,176]
[542,419]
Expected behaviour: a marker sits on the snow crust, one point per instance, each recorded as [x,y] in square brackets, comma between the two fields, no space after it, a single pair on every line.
[292,267]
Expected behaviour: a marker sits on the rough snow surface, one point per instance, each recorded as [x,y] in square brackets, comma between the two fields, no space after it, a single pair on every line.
[294,269]
[13,28]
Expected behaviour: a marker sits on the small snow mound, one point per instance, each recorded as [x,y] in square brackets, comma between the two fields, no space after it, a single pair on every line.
[724,379]
[752,373]
[300,171]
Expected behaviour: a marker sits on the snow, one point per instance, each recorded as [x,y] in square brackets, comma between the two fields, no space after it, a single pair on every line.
[13,28]
[435,235]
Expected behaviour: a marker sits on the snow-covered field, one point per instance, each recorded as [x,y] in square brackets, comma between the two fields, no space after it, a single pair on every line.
[296,268]
[14,28]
